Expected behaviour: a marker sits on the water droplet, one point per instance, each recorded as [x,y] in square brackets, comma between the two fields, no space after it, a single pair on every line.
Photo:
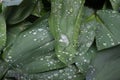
[51,62]
[24,35]
[9,57]
[112,43]
[58,55]
[40,29]
[35,39]
[85,60]
[64,39]
[69,77]
[104,44]
[88,44]
[41,59]
[34,33]
[61,71]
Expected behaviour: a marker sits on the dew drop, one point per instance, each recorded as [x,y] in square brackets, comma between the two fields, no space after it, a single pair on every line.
[35,39]
[24,35]
[104,44]
[112,43]
[64,39]
[34,33]
[58,55]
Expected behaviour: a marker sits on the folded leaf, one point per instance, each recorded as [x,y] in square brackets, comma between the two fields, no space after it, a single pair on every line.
[2,31]
[83,60]
[29,40]
[19,13]
[64,24]
[86,38]
[11,2]
[87,34]
[108,34]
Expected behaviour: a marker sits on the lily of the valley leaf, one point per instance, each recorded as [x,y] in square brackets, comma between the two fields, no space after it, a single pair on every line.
[27,41]
[64,24]
[2,31]
[108,34]
[21,12]
[11,2]
[67,73]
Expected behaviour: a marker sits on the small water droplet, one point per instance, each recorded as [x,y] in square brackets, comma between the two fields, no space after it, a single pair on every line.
[34,33]
[64,39]
[24,35]
[104,44]
[112,43]
[35,39]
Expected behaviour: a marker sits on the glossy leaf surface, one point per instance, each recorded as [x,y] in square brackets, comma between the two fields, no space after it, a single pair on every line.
[64,24]
[107,34]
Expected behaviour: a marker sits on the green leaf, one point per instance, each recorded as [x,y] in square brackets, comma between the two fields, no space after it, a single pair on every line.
[43,63]
[64,24]
[29,40]
[87,34]
[2,31]
[33,55]
[3,68]
[107,34]
[83,60]
[68,73]
[11,2]
[21,12]
[106,65]
[86,38]
[115,4]
[14,31]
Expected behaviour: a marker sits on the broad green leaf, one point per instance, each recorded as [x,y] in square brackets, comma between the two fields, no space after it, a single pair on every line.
[11,2]
[33,55]
[64,24]
[83,60]
[2,31]
[43,63]
[3,68]
[33,38]
[106,65]
[68,73]
[14,31]
[115,4]
[87,34]
[19,13]
[86,38]
[108,34]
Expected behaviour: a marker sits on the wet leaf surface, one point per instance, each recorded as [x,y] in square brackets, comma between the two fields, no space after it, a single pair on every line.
[64,24]
[107,34]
